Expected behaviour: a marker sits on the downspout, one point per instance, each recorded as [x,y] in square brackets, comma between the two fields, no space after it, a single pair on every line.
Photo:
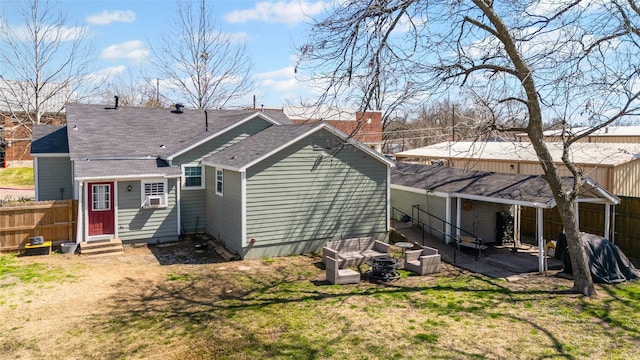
[177,205]
[80,215]
[388,227]
[35,177]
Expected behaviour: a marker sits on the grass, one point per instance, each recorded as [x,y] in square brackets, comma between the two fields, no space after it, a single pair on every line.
[12,272]
[17,177]
[283,310]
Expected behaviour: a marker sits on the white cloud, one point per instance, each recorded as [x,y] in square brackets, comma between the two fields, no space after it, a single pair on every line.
[280,12]
[275,87]
[133,49]
[107,17]
[52,34]
[101,76]
[286,72]
[281,80]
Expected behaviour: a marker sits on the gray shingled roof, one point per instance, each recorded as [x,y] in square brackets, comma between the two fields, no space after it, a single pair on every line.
[258,145]
[508,188]
[49,139]
[105,169]
[98,131]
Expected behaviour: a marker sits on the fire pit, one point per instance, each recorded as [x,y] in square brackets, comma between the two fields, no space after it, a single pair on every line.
[383,268]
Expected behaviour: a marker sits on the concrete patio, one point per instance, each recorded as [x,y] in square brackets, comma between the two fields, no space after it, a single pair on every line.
[496,261]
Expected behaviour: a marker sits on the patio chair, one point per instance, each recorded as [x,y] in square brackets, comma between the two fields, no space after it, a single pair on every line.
[335,275]
[422,261]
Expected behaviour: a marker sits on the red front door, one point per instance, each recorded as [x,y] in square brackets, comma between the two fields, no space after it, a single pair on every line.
[100,207]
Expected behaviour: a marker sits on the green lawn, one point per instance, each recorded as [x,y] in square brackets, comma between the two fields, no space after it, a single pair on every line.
[16,177]
[283,309]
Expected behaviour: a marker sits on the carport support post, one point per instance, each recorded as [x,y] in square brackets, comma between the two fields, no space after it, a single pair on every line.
[448,218]
[607,221]
[458,216]
[516,224]
[539,222]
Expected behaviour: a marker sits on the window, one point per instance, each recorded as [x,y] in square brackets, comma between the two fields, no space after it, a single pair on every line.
[193,177]
[100,197]
[219,182]
[154,194]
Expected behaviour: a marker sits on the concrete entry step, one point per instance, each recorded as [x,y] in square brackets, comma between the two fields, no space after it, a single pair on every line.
[102,248]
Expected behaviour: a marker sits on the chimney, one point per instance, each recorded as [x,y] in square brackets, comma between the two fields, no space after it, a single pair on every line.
[206,121]
[116,98]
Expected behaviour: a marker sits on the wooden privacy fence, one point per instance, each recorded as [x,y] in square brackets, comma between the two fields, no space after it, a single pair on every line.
[53,220]
[626,224]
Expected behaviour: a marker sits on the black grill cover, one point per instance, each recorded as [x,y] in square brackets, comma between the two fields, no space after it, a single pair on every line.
[607,262]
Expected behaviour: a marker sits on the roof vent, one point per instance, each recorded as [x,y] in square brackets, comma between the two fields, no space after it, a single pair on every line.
[179,108]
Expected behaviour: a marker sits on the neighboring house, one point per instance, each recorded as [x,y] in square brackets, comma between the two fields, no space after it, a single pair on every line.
[616,167]
[451,202]
[366,127]
[16,101]
[145,175]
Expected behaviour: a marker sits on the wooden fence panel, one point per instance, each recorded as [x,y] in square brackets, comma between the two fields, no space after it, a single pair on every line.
[626,224]
[53,220]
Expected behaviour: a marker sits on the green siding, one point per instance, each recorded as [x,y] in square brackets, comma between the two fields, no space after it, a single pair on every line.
[404,200]
[192,210]
[54,173]
[150,225]
[224,213]
[302,197]
[192,202]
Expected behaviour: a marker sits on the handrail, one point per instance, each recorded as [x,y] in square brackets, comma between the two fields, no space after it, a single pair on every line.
[422,225]
[443,220]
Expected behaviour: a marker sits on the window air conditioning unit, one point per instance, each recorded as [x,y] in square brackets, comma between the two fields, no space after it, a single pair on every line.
[153,201]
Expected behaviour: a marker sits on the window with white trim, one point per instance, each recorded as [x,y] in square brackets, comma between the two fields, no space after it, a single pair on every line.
[154,194]
[192,177]
[219,182]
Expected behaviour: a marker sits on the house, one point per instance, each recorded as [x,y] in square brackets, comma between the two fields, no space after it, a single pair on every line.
[366,127]
[449,202]
[294,187]
[151,174]
[615,166]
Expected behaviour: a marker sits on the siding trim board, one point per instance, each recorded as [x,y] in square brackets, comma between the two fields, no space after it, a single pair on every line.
[243,208]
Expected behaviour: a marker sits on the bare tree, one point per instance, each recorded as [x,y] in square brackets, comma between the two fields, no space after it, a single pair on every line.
[44,62]
[202,65]
[523,61]
[133,89]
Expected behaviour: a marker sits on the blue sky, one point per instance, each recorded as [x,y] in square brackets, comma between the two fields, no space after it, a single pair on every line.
[122,30]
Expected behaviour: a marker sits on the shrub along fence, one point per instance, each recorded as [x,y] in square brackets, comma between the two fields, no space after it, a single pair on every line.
[53,220]
[626,224]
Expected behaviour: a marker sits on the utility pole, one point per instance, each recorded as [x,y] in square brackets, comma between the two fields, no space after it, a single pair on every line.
[453,122]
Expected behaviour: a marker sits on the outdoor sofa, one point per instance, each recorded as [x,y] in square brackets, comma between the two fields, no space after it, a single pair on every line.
[354,251]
